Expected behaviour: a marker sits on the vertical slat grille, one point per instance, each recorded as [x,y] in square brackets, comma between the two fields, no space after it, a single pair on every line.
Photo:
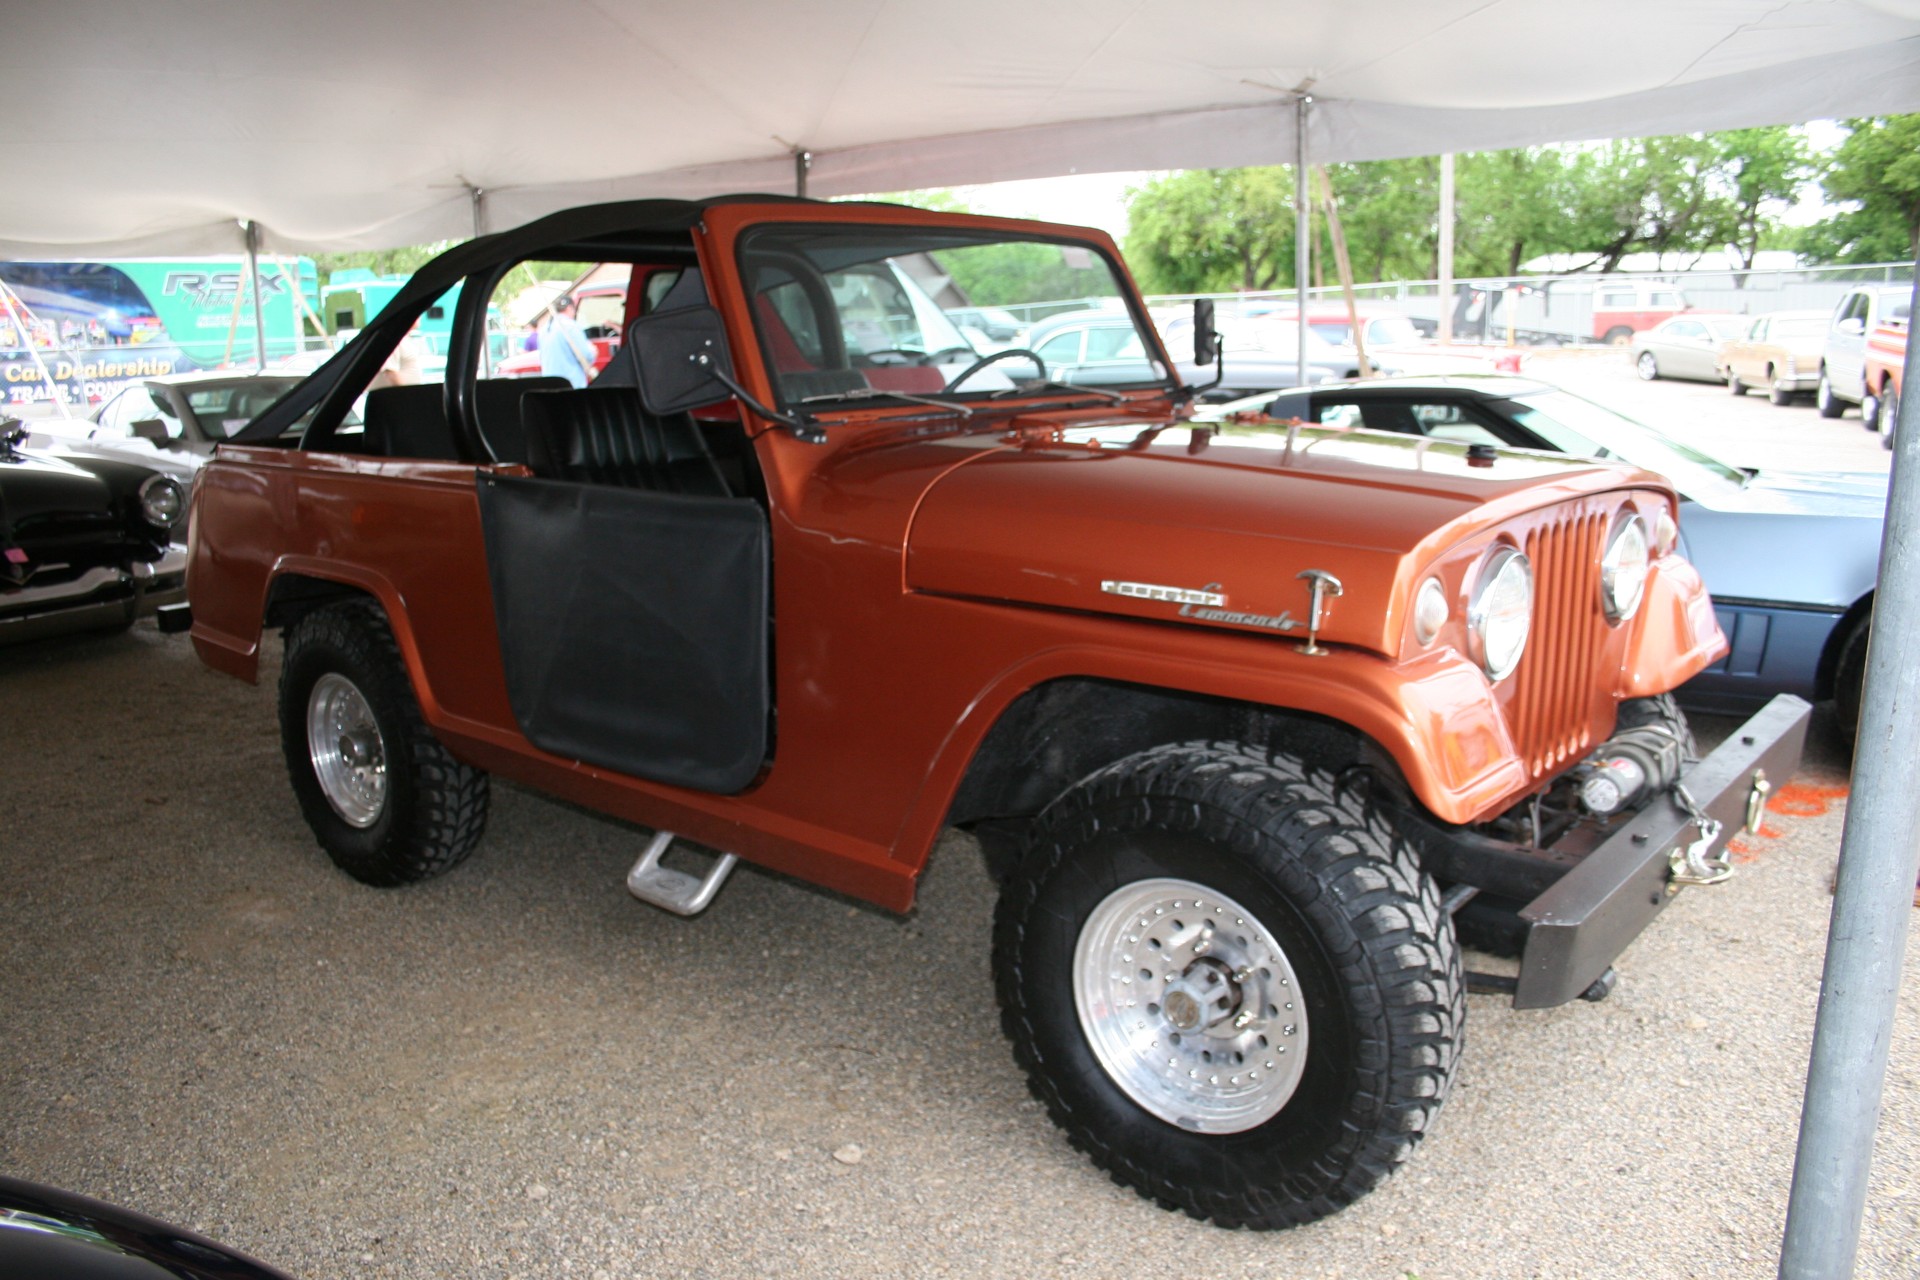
[1551,709]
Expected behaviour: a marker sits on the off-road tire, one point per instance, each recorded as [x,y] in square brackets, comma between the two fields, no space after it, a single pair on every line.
[434,809]
[1344,896]
[1662,708]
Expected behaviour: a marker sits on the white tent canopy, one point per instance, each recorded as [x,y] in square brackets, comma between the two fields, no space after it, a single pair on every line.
[147,128]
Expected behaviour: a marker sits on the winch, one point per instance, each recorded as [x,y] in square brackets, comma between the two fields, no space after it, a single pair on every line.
[1631,765]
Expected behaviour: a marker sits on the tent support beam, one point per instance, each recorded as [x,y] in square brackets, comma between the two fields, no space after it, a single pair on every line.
[253,283]
[802,163]
[1879,860]
[1446,248]
[477,197]
[1302,227]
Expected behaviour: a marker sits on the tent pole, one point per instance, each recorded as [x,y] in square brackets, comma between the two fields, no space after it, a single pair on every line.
[253,279]
[21,317]
[1302,229]
[477,196]
[1879,860]
[802,162]
[1446,248]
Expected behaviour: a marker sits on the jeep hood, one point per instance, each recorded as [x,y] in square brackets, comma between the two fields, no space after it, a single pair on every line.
[1213,526]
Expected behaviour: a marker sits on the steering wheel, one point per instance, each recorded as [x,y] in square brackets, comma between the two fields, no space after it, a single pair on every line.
[984,361]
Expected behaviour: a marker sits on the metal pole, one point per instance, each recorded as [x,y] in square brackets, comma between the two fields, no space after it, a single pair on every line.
[1446,247]
[1879,860]
[1302,228]
[802,161]
[253,278]
[478,198]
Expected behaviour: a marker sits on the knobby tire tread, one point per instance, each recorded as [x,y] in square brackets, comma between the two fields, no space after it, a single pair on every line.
[445,810]
[1379,918]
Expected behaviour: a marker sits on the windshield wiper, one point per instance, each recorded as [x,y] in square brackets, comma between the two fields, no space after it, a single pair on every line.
[875,393]
[1031,387]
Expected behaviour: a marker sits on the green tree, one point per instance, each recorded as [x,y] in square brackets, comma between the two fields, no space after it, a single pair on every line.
[403,261]
[1212,230]
[1876,171]
[1389,210]
[1766,167]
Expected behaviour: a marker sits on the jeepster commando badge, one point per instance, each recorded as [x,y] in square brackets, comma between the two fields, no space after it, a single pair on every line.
[1205,605]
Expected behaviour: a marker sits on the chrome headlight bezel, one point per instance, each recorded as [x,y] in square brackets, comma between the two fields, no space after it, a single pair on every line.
[1491,613]
[1625,564]
[163,504]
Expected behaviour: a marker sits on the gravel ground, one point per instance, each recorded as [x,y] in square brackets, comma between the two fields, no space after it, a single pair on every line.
[517,1070]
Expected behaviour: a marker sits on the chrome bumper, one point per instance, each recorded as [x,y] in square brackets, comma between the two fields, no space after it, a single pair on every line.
[97,599]
[1577,927]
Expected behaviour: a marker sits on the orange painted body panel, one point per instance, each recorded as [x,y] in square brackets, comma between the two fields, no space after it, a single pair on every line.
[1886,357]
[924,577]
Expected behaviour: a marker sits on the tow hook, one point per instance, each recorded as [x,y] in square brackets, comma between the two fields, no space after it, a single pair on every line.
[1691,863]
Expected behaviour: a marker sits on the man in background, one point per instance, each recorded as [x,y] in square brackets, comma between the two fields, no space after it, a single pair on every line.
[565,351]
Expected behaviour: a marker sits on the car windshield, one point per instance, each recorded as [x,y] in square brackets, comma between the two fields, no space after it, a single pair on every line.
[222,408]
[1576,425]
[855,313]
[1727,327]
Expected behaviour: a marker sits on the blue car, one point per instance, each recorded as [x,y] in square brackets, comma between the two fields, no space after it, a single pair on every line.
[1791,558]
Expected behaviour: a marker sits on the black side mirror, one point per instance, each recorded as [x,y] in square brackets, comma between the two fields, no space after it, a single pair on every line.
[152,430]
[681,360]
[1206,338]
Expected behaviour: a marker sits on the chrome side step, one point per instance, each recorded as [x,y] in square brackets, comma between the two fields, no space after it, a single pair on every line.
[671,890]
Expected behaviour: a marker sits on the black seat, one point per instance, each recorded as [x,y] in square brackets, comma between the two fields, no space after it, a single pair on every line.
[496,406]
[408,422]
[602,436]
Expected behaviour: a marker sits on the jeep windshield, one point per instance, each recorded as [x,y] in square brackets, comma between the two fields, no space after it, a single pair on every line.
[854,314]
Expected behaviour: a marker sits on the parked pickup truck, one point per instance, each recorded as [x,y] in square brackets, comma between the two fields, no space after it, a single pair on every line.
[1886,356]
[1240,716]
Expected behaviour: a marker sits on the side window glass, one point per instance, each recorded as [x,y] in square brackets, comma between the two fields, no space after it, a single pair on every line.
[1664,300]
[1616,299]
[113,418]
[1343,416]
[1114,344]
[1062,349]
[1759,331]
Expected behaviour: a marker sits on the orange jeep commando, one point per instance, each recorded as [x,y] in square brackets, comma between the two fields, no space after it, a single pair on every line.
[1245,716]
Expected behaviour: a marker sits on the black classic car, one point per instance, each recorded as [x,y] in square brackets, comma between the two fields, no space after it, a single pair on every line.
[48,1234]
[85,543]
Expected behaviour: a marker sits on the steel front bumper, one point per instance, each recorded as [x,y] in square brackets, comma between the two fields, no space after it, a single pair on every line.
[1576,928]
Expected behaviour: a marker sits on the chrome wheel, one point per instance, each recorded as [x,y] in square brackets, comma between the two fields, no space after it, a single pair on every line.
[1188,1004]
[349,757]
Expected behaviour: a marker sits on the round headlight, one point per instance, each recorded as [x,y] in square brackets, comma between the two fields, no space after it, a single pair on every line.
[1500,612]
[1429,611]
[1623,568]
[161,502]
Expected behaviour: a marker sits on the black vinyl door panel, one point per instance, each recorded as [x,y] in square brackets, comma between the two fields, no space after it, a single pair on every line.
[633,626]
